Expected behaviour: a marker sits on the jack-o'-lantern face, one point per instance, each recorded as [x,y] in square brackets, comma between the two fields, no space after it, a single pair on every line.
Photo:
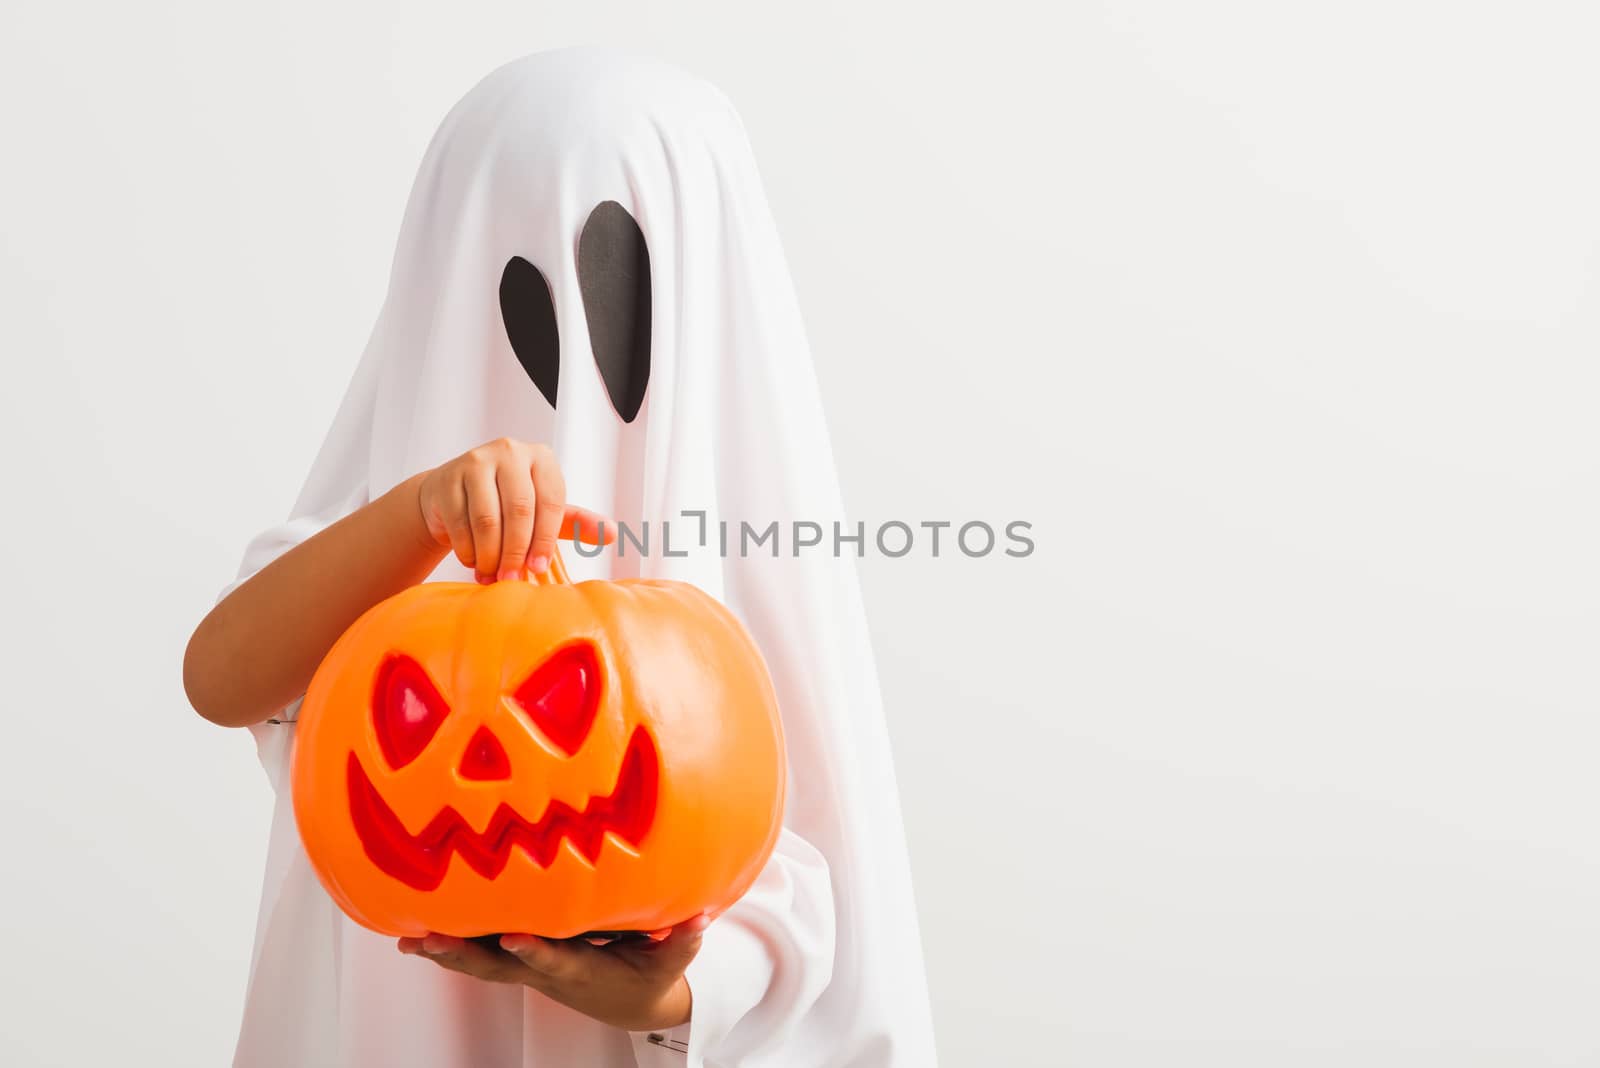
[547,758]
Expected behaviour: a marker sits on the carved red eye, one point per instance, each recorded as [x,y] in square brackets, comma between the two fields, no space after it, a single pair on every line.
[406,709]
[562,696]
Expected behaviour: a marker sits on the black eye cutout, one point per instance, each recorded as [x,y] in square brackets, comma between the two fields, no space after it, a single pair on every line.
[614,282]
[614,278]
[529,313]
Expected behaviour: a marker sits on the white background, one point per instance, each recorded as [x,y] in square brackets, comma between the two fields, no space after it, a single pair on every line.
[1278,321]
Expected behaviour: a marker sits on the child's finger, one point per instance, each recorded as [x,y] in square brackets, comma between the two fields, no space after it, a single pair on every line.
[550,489]
[483,515]
[516,518]
[591,527]
[558,960]
[453,512]
[460,955]
[672,954]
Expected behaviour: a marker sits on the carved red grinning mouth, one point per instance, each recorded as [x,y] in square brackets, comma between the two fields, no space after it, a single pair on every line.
[420,860]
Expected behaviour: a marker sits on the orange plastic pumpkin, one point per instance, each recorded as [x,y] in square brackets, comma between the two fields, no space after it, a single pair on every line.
[539,757]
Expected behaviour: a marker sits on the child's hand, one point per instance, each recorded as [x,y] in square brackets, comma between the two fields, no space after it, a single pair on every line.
[501,507]
[634,985]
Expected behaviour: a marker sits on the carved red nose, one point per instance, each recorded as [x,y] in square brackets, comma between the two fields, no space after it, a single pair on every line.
[485,758]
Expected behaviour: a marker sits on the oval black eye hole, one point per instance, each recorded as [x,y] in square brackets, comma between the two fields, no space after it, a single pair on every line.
[614,278]
[529,313]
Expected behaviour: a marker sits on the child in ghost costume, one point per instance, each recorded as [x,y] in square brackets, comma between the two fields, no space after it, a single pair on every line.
[701,411]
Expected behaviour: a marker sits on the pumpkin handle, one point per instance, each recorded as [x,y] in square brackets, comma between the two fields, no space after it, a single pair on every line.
[555,574]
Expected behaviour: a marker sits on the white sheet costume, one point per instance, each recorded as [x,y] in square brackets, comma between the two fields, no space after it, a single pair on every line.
[820,964]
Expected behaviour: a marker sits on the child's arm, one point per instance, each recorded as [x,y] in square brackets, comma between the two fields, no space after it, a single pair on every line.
[498,507]
[257,650]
